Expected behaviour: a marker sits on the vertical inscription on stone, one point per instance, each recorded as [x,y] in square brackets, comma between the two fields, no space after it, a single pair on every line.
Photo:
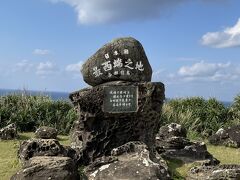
[120,99]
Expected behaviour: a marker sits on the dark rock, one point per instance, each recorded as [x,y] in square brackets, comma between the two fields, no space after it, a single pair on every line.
[172,136]
[226,171]
[228,137]
[9,132]
[43,147]
[98,132]
[196,151]
[122,59]
[133,163]
[171,130]
[76,135]
[45,132]
[171,143]
[45,167]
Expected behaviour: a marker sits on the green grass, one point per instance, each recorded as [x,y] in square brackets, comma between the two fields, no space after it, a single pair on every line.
[9,163]
[225,155]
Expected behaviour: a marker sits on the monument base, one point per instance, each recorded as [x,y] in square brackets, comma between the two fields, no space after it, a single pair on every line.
[115,113]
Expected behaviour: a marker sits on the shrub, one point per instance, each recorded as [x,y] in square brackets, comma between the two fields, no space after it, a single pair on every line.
[234,112]
[29,112]
[196,114]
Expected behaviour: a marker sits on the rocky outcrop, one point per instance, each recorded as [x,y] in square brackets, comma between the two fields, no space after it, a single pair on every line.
[45,167]
[122,59]
[130,161]
[228,137]
[43,147]
[45,132]
[99,132]
[9,132]
[171,142]
[120,115]
[227,171]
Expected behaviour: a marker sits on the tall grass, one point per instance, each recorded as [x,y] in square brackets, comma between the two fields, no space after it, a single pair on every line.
[234,112]
[198,115]
[29,112]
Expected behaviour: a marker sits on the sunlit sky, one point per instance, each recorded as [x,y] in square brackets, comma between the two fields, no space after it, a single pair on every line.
[192,45]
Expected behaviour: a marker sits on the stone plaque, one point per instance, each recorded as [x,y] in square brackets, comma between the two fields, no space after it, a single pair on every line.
[120,99]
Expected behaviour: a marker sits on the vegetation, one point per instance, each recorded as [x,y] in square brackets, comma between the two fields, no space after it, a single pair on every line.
[30,112]
[199,116]
[9,164]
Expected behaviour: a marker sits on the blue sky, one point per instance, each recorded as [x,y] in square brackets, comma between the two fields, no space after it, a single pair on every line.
[192,45]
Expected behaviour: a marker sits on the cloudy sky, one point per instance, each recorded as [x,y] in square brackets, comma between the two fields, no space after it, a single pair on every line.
[192,45]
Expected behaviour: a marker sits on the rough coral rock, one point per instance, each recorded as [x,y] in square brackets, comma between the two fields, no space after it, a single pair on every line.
[99,132]
[45,132]
[228,137]
[171,142]
[9,132]
[43,147]
[225,171]
[121,59]
[46,167]
[133,163]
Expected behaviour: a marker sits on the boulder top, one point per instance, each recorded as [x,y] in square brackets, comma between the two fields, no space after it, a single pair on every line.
[121,59]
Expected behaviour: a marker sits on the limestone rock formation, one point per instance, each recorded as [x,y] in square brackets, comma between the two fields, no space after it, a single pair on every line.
[171,142]
[46,167]
[45,132]
[122,59]
[132,163]
[43,147]
[226,171]
[9,132]
[99,132]
[228,137]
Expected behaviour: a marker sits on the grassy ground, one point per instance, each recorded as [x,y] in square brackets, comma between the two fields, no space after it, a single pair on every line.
[9,163]
[224,154]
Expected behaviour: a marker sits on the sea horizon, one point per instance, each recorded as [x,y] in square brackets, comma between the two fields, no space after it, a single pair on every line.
[56,95]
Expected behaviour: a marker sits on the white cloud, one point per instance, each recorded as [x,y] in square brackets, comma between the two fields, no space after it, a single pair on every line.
[211,72]
[202,69]
[74,67]
[229,37]
[41,52]
[46,68]
[111,11]
[23,66]
[200,72]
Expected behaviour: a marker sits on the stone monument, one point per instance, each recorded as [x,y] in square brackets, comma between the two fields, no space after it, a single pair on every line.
[122,106]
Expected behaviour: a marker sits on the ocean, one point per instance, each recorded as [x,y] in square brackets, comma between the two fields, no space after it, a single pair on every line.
[53,95]
[59,95]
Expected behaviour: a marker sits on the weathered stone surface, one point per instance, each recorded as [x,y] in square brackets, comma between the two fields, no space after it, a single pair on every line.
[171,130]
[196,151]
[98,132]
[122,59]
[227,171]
[172,136]
[45,132]
[8,132]
[45,167]
[133,163]
[228,137]
[171,142]
[43,147]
